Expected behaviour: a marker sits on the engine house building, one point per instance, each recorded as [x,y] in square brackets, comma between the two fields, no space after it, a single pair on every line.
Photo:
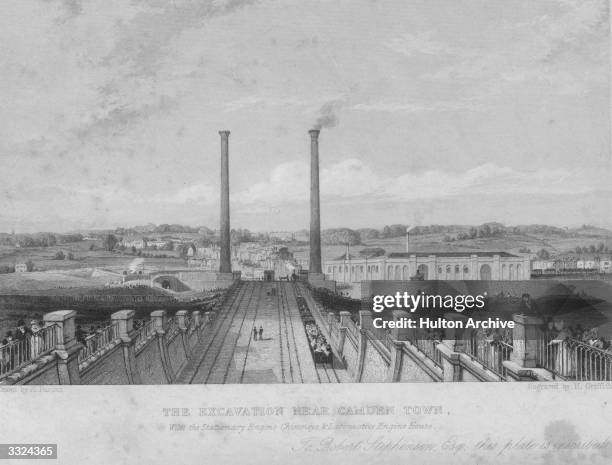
[441,265]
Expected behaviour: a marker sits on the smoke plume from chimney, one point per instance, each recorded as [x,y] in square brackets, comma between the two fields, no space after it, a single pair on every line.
[328,117]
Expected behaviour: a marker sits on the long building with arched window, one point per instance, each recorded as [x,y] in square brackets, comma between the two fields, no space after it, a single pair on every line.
[437,265]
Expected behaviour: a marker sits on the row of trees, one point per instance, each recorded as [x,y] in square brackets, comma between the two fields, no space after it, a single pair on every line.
[599,248]
[39,239]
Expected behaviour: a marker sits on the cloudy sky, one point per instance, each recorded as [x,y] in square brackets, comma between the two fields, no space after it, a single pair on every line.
[438,111]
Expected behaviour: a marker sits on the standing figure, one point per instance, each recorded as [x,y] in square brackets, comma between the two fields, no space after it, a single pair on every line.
[260,333]
[36,342]
[254,333]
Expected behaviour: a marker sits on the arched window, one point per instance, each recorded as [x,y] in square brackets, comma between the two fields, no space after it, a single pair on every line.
[485,272]
[422,270]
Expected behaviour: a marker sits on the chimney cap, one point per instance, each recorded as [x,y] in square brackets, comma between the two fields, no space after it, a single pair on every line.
[225,132]
[314,132]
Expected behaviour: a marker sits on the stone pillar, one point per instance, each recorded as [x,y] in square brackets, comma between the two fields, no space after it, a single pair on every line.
[474,270]
[315,212]
[365,323]
[453,337]
[330,319]
[398,335]
[496,273]
[451,365]
[160,319]
[181,319]
[433,267]
[412,266]
[197,318]
[344,318]
[125,322]
[67,347]
[225,262]
[124,319]
[365,319]
[525,337]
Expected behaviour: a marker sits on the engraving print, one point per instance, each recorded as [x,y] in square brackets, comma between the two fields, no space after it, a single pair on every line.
[225,191]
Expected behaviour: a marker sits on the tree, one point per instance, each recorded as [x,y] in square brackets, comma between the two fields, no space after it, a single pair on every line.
[70,256]
[543,254]
[59,255]
[109,242]
[29,265]
[92,247]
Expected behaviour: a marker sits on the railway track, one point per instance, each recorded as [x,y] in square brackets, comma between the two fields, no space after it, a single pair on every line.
[219,331]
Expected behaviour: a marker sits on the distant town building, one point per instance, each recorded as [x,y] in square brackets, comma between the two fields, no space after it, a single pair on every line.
[21,268]
[136,243]
[586,264]
[156,244]
[281,235]
[543,265]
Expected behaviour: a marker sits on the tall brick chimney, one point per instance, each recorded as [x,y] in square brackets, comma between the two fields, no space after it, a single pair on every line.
[315,211]
[225,262]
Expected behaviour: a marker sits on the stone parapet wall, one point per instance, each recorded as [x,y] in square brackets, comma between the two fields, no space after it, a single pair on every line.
[130,358]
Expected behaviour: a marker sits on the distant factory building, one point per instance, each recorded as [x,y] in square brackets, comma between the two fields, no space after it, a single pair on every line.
[429,266]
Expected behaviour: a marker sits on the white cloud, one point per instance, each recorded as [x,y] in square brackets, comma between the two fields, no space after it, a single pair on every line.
[353,179]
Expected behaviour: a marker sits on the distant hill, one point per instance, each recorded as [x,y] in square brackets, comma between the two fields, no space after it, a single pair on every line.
[534,239]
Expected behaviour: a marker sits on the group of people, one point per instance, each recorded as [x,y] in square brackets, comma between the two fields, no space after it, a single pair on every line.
[557,330]
[321,349]
[258,332]
[82,334]
[21,345]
